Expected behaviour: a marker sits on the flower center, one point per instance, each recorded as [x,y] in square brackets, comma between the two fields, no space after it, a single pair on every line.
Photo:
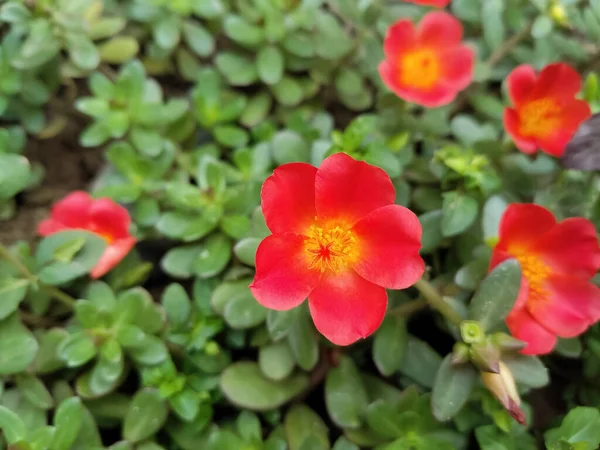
[330,248]
[420,68]
[534,270]
[539,117]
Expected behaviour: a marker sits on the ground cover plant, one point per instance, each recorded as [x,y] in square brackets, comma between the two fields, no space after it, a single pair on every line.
[299,224]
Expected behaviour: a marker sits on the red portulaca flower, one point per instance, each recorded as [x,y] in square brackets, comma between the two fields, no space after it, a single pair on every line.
[427,65]
[546,113]
[104,217]
[557,261]
[338,239]
[436,3]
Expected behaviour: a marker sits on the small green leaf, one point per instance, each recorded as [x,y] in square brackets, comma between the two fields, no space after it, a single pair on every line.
[67,420]
[146,415]
[119,49]
[12,292]
[302,424]
[276,360]
[77,349]
[288,91]
[345,395]
[214,256]
[527,370]
[245,386]
[239,30]
[34,390]
[237,69]
[186,404]
[245,250]
[83,52]
[248,426]
[288,146]
[303,341]
[198,38]
[389,345]
[177,304]
[496,295]
[166,31]
[18,347]
[452,387]
[13,428]
[15,173]
[269,63]
[458,213]
[580,425]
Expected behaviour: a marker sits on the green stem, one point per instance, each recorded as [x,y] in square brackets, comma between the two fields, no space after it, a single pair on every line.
[508,45]
[436,301]
[409,308]
[54,292]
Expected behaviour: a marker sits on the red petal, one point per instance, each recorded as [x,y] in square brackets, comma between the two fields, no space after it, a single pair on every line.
[569,307]
[458,66]
[288,198]
[520,83]
[50,226]
[522,224]
[571,248]
[511,125]
[574,113]
[439,29]
[112,256]
[109,219]
[524,327]
[345,307]
[558,80]
[399,37]
[389,240]
[348,189]
[283,279]
[436,3]
[72,210]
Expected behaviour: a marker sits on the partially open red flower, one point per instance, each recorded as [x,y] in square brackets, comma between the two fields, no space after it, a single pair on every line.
[546,113]
[79,211]
[429,64]
[436,3]
[338,239]
[557,261]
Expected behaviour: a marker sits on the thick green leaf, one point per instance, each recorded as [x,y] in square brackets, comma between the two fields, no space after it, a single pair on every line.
[18,346]
[496,295]
[301,424]
[198,38]
[580,425]
[12,292]
[15,173]
[13,428]
[67,420]
[244,385]
[34,390]
[452,387]
[276,360]
[303,341]
[527,370]
[270,64]
[345,395]
[389,345]
[214,256]
[458,213]
[146,415]
[77,349]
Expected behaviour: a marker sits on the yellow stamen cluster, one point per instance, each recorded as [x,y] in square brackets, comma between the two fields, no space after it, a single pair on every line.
[330,248]
[420,68]
[539,117]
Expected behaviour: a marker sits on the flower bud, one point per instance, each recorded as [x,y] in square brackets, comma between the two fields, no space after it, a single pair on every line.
[486,356]
[502,386]
[460,353]
[507,342]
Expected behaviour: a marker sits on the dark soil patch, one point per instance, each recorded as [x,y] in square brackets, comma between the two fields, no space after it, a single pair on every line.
[68,167]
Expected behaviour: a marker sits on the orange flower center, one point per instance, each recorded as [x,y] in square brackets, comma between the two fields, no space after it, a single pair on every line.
[539,117]
[420,68]
[535,271]
[330,247]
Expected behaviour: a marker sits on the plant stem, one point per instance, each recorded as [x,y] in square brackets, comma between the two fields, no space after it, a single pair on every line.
[54,292]
[508,45]
[436,301]
[408,308]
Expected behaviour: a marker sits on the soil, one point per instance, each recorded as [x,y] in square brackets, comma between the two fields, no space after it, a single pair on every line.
[68,167]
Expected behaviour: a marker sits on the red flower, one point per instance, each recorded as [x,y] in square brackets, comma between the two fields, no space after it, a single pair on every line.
[428,65]
[546,113]
[557,261]
[338,239]
[436,3]
[79,211]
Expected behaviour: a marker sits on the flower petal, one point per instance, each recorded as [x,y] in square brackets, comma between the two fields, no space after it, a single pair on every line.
[112,256]
[50,226]
[288,198]
[571,248]
[458,66]
[389,240]
[512,126]
[439,29]
[349,189]
[399,37]
[569,307]
[524,327]
[520,83]
[72,210]
[557,80]
[436,3]
[574,112]
[345,307]
[109,219]
[522,224]
[283,279]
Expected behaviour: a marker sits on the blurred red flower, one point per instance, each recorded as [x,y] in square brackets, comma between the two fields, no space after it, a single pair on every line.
[436,3]
[546,113]
[338,239]
[104,217]
[427,65]
[557,261]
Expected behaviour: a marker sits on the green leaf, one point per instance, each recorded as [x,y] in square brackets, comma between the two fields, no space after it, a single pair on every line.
[492,214]
[214,256]
[146,415]
[83,52]
[279,323]
[288,146]
[458,213]
[299,44]
[59,272]
[12,292]
[185,226]
[330,41]
[245,386]
[420,362]
[77,349]
[248,426]
[119,49]
[270,65]
[276,360]
[580,425]
[452,387]
[166,32]
[303,341]
[496,295]
[18,347]
[432,230]
[242,311]
[389,345]
[492,18]
[231,136]
[239,30]
[527,370]
[179,261]
[245,250]
[384,419]
[288,91]
[237,69]
[301,424]
[176,303]
[256,109]
[67,421]
[345,395]
[15,173]
[13,428]
[34,390]
[198,38]
[186,404]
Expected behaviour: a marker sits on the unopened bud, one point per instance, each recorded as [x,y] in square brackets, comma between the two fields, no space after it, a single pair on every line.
[460,354]
[502,386]
[486,356]
[558,13]
[507,342]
